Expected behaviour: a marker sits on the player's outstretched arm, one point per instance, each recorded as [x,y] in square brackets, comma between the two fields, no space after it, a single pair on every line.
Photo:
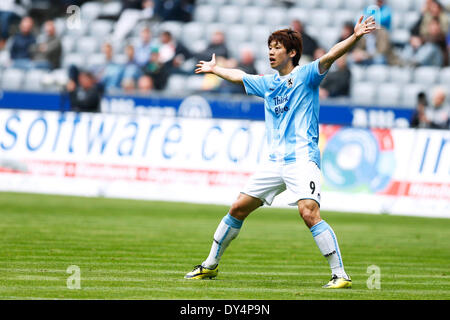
[233,75]
[361,28]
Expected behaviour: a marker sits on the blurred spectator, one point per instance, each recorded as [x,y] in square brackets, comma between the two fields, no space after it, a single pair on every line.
[131,70]
[217,45]
[48,49]
[247,64]
[144,47]
[437,115]
[420,53]
[132,12]
[10,11]
[437,37]
[156,70]
[346,31]
[336,82]
[178,10]
[128,85]
[419,119]
[173,53]
[22,42]
[385,13]
[374,48]
[435,10]
[109,75]
[84,95]
[309,43]
[145,84]
[319,52]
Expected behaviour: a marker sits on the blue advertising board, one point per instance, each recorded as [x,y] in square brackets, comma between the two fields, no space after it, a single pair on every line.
[209,106]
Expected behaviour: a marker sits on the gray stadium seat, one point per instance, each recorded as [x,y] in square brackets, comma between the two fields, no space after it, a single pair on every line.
[332,5]
[60,76]
[400,36]
[176,83]
[205,13]
[263,3]
[252,15]
[91,10]
[400,75]
[301,14]
[12,79]
[87,45]
[101,28]
[33,80]
[79,31]
[240,3]
[397,21]
[320,18]
[328,37]
[308,4]
[197,46]
[410,18]
[68,44]
[377,73]
[342,16]
[174,27]
[193,31]
[112,8]
[388,94]
[354,4]
[236,33]
[194,82]
[95,59]
[358,73]
[444,76]
[213,27]
[76,59]
[426,75]
[275,16]
[400,5]
[409,94]
[217,2]
[259,34]
[229,14]
[363,93]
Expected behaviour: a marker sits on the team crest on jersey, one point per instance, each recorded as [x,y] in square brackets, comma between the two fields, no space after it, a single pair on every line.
[290,82]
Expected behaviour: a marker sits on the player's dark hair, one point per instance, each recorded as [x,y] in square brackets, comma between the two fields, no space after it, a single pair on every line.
[291,40]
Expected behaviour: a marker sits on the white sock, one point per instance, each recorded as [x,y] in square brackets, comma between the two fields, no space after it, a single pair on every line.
[327,242]
[227,230]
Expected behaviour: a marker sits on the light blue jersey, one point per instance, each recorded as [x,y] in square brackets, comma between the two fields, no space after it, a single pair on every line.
[291,112]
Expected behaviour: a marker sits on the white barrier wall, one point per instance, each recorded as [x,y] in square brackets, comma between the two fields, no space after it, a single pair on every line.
[208,161]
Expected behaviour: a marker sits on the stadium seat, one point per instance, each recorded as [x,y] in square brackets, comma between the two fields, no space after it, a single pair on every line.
[205,13]
[259,34]
[197,46]
[95,59]
[444,76]
[252,15]
[101,28]
[240,3]
[331,5]
[262,3]
[176,83]
[68,44]
[60,76]
[363,93]
[308,4]
[263,67]
[112,8]
[213,27]
[274,16]
[174,27]
[426,75]
[400,36]
[409,94]
[328,37]
[377,73]
[388,94]
[217,3]
[194,82]
[342,16]
[78,31]
[320,18]
[354,4]
[87,45]
[193,31]
[12,79]
[358,73]
[410,18]
[397,20]
[400,75]
[33,80]
[298,13]
[76,59]
[400,5]
[91,10]
[230,14]
[236,33]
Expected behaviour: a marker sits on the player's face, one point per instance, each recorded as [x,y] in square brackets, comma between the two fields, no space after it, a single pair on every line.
[278,56]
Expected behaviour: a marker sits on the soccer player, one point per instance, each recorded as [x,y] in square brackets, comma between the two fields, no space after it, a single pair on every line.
[291,101]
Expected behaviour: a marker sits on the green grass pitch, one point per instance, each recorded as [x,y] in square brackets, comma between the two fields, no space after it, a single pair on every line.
[128,249]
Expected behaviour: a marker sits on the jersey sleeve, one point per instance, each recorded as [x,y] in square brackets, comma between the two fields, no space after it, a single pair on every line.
[255,85]
[314,77]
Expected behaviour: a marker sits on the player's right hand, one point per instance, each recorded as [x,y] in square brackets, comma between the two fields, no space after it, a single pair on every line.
[206,66]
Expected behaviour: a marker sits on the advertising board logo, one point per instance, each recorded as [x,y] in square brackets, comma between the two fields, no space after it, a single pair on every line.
[195,107]
[359,160]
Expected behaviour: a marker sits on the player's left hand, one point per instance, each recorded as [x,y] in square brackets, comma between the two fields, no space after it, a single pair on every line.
[362,28]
